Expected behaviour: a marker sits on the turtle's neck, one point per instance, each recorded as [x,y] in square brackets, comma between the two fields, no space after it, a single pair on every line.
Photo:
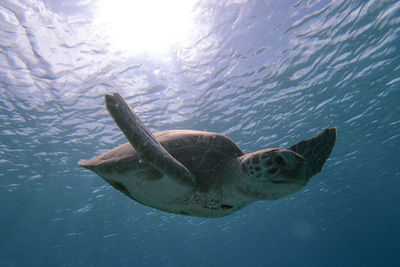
[232,180]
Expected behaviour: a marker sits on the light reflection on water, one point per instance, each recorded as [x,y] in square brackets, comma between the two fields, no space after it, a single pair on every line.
[138,27]
[266,73]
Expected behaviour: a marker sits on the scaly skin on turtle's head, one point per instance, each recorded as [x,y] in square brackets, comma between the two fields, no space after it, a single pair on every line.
[272,173]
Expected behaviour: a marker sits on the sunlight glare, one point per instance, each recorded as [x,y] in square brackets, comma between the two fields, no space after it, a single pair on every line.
[144,26]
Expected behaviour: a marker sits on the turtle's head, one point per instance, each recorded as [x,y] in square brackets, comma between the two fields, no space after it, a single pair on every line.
[273,173]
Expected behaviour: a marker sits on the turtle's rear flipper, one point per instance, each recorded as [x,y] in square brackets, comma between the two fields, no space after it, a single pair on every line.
[317,149]
[144,142]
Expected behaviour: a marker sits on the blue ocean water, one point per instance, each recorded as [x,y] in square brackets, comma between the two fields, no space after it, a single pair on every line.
[264,73]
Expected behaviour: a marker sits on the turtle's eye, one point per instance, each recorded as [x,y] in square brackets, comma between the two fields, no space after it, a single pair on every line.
[280,161]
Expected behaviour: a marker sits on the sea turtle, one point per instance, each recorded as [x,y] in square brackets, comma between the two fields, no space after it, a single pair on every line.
[199,173]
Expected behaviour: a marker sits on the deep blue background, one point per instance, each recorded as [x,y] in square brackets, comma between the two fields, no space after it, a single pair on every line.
[265,73]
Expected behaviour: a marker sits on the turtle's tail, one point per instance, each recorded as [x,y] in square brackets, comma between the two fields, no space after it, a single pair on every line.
[88,164]
[317,149]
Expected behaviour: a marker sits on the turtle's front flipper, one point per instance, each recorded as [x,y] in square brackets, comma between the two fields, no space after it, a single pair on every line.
[317,149]
[144,142]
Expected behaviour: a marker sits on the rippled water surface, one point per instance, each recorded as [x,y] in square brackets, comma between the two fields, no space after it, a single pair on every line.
[264,73]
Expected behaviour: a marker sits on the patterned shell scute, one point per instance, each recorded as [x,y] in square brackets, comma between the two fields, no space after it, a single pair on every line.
[200,152]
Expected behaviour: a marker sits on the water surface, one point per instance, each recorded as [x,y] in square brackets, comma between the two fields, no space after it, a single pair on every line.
[264,73]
